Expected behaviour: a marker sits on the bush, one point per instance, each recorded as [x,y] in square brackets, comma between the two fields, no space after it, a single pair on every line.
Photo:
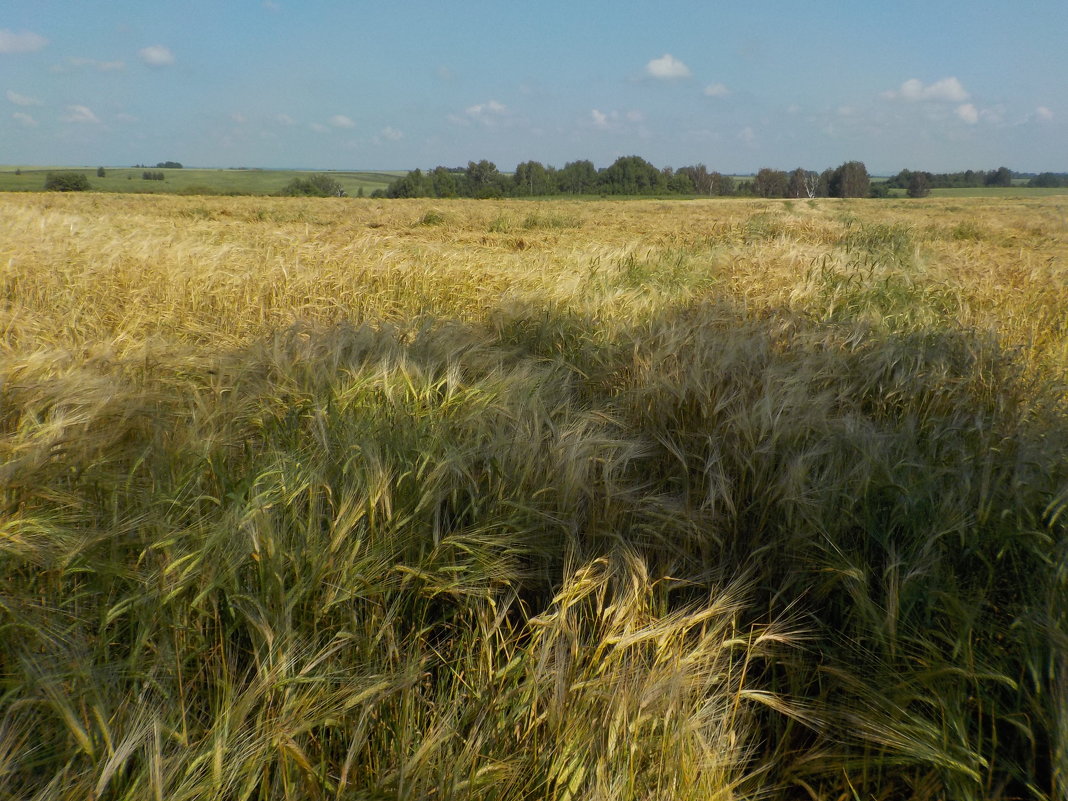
[317,185]
[66,182]
[919,185]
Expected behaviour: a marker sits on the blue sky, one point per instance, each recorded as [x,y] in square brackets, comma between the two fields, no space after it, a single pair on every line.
[348,85]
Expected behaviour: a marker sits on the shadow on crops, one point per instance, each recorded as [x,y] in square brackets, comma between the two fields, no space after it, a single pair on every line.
[898,496]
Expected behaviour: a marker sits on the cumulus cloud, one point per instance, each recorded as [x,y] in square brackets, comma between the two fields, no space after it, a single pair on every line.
[23,42]
[968,112]
[948,90]
[318,127]
[391,133]
[79,114]
[747,135]
[667,67]
[1043,113]
[490,114]
[716,90]
[607,120]
[25,119]
[341,121]
[284,119]
[22,100]
[156,56]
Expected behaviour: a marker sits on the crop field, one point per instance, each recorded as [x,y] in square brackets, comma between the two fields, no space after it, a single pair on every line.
[190,181]
[359,499]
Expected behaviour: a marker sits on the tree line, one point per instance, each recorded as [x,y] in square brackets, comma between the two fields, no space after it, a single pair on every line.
[627,175]
[633,175]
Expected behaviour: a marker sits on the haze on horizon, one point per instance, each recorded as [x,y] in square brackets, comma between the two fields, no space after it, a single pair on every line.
[333,85]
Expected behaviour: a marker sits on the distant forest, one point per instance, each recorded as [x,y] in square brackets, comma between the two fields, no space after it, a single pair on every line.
[633,175]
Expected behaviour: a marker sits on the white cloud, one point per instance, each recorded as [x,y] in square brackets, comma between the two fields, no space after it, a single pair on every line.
[667,67]
[995,115]
[1043,113]
[446,74]
[716,90]
[949,90]
[341,121]
[318,127]
[284,119]
[968,112]
[156,56]
[392,134]
[490,114]
[239,118]
[483,110]
[79,114]
[25,42]
[22,100]
[747,135]
[608,120]
[270,5]
[25,119]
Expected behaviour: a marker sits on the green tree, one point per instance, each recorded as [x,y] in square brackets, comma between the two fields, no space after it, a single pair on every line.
[414,184]
[1048,180]
[531,178]
[899,181]
[850,180]
[681,184]
[443,182]
[802,183]
[770,183]
[919,185]
[632,175]
[483,179]
[66,182]
[577,178]
[1002,176]
[316,185]
[100,172]
[699,177]
[722,184]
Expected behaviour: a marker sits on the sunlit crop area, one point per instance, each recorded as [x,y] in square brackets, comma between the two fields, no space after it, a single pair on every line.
[356,499]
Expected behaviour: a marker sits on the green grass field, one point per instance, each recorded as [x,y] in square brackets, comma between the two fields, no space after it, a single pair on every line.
[191,180]
[1000,191]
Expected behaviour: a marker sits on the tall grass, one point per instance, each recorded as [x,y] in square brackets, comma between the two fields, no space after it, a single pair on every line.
[301,500]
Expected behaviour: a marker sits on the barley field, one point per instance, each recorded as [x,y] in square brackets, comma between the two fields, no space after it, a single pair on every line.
[358,499]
